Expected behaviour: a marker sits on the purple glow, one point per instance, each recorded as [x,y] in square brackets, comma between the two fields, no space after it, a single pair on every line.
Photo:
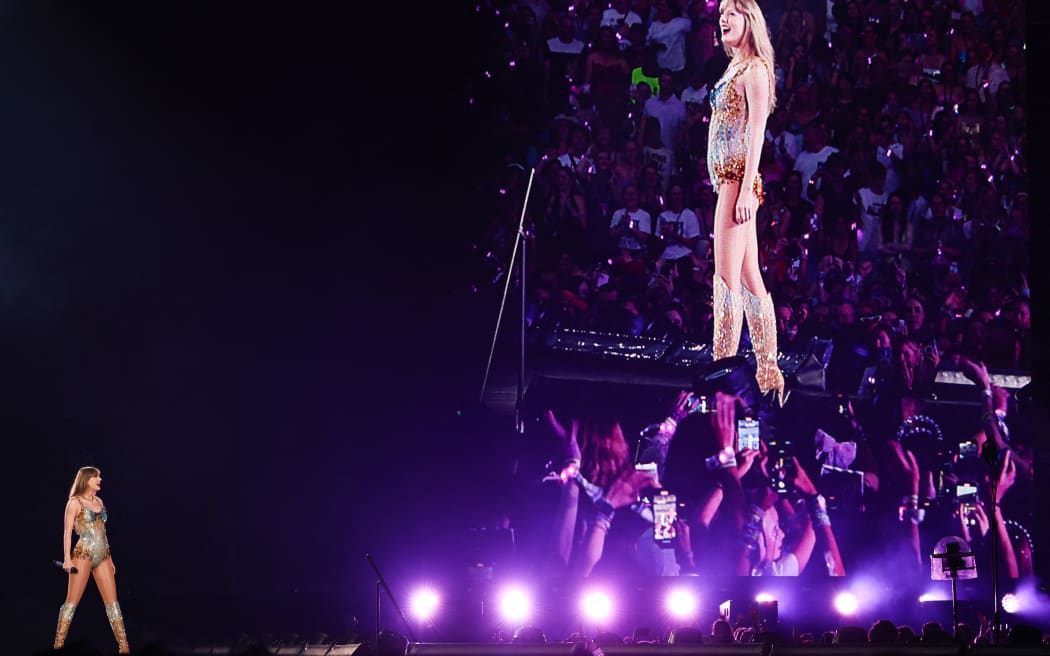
[845,603]
[423,604]
[596,606]
[515,606]
[764,597]
[1011,603]
[681,604]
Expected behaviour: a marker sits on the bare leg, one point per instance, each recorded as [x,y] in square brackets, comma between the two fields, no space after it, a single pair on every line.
[74,592]
[729,253]
[105,579]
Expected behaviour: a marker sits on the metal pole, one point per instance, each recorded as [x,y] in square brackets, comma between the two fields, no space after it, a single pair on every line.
[506,288]
[955,609]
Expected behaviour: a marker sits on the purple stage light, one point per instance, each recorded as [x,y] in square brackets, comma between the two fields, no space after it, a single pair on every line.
[596,606]
[515,606]
[423,604]
[763,597]
[681,604]
[1011,603]
[846,603]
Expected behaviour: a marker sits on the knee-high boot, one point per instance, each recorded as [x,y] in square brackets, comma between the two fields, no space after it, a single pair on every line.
[65,618]
[116,622]
[762,324]
[728,320]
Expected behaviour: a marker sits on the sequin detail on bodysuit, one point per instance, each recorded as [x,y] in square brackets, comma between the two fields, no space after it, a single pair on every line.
[729,134]
[91,529]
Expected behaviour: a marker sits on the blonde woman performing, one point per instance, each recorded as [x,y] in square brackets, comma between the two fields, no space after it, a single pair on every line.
[86,514]
[740,104]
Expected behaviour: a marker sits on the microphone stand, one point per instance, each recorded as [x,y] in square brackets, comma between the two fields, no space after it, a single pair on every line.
[381,585]
[519,420]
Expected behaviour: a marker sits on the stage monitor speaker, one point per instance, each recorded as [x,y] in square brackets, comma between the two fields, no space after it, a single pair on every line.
[345,650]
[868,650]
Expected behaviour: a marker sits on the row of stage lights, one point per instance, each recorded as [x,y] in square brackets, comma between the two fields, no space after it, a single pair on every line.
[516,605]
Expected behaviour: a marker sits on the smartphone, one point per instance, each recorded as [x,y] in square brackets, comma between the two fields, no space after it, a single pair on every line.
[747,433]
[701,406]
[968,512]
[966,493]
[967,449]
[665,512]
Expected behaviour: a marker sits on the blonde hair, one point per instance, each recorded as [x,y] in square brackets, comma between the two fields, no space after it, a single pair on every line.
[758,33]
[80,482]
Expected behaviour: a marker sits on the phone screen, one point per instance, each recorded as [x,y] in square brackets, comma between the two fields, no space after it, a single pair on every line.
[966,492]
[748,434]
[665,512]
[967,449]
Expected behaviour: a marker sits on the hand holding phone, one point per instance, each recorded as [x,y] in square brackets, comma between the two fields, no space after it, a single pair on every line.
[665,515]
[748,436]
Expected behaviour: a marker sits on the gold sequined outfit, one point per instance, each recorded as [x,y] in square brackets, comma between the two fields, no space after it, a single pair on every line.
[729,134]
[91,531]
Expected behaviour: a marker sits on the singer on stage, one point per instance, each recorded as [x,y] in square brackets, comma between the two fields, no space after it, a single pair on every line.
[86,514]
[740,104]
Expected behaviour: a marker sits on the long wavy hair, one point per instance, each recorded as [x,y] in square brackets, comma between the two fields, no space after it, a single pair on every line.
[603,449]
[80,481]
[757,31]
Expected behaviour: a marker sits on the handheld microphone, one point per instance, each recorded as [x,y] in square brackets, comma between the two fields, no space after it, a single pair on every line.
[58,564]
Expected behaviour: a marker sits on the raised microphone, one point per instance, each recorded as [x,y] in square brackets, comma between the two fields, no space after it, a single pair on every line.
[58,564]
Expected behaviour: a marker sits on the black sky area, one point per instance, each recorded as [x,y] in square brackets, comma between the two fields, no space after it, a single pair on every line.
[231,275]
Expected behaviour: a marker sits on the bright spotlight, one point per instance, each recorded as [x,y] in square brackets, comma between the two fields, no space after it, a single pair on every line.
[845,603]
[514,605]
[681,604]
[1011,603]
[763,597]
[423,604]
[597,606]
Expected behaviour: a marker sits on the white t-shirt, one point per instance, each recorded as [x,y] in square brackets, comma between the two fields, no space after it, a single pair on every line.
[978,74]
[574,47]
[642,220]
[672,116]
[698,96]
[685,224]
[871,205]
[575,163]
[663,158]
[789,143]
[892,179]
[807,163]
[613,18]
[673,35]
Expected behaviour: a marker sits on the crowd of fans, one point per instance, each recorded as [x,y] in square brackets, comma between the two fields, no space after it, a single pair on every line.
[895,225]
[883,632]
[895,213]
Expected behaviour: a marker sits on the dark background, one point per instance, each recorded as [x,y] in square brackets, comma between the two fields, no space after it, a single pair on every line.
[233,275]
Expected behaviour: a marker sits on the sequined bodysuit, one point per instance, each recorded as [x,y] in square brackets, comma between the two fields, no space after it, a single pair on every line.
[729,135]
[91,531]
